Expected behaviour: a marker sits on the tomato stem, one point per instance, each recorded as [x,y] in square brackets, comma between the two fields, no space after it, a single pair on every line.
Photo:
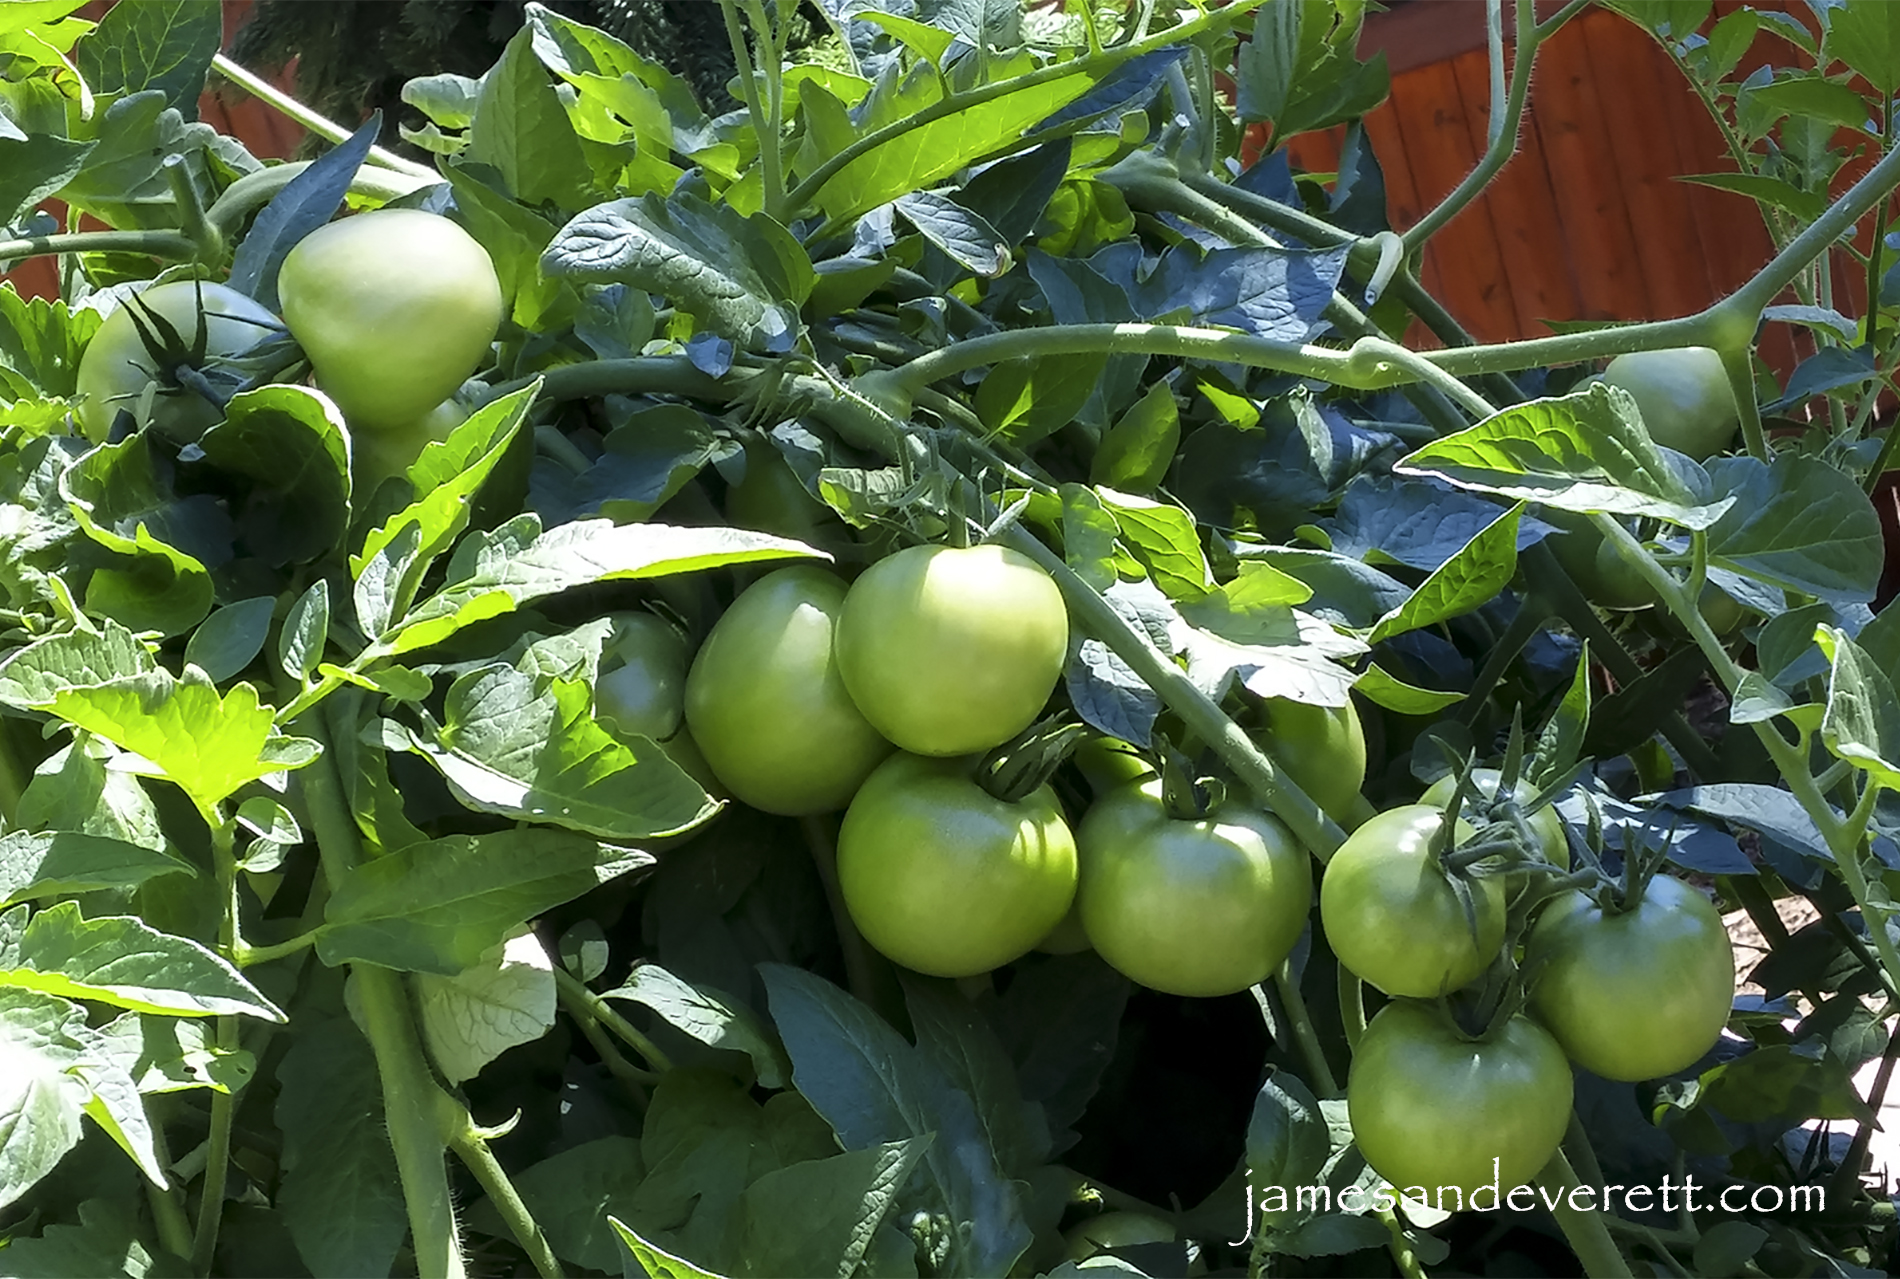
[472,1148]
[158,244]
[1583,1228]
[1300,1024]
[1352,1006]
[575,994]
[822,840]
[317,123]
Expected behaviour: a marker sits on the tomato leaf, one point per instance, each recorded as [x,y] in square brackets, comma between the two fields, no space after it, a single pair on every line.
[36,167]
[819,1217]
[1798,524]
[521,130]
[1468,580]
[43,1039]
[171,1054]
[165,45]
[504,1001]
[438,906]
[226,642]
[873,1087]
[1419,523]
[339,1197]
[1581,452]
[307,202]
[644,461]
[1135,454]
[1105,691]
[121,960]
[964,1047]
[654,1261]
[1862,722]
[157,576]
[1393,693]
[31,677]
[58,863]
[709,1015]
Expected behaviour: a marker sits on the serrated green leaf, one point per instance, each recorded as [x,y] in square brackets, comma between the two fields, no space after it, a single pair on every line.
[653,1261]
[437,907]
[1797,523]
[58,863]
[32,677]
[1135,454]
[157,579]
[155,44]
[1163,537]
[1480,569]
[570,1195]
[74,790]
[205,744]
[172,1054]
[120,960]
[521,130]
[291,444]
[1582,452]
[491,574]
[1866,36]
[41,1099]
[818,1217]
[41,342]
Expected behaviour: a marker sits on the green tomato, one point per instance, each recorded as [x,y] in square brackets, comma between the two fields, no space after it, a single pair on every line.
[116,368]
[951,652]
[1638,994]
[1322,748]
[1544,823]
[395,308]
[946,879]
[1200,908]
[771,500]
[1068,937]
[1390,914]
[1722,611]
[376,455]
[1430,1108]
[1618,583]
[767,705]
[640,687]
[1108,764]
[1683,395]
[1115,1230]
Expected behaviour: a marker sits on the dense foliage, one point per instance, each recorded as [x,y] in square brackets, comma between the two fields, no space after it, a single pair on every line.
[914,679]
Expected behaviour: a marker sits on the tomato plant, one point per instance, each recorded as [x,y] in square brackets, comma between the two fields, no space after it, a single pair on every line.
[767,704]
[1596,985]
[944,877]
[1432,1107]
[952,651]
[1392,915]
[717,603]
[1202,906]
[1485,784]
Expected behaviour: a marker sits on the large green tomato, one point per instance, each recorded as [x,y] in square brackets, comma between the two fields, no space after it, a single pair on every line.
[767,706]
[1634,995]
[1684,397]
[640,688]
[116,368]
[1430,1108]
[395,309]
[1544,823]
[1201,908]
[1322,748]
[945,878]
[951,652]
[771,500]
[1390,914]
[377,455]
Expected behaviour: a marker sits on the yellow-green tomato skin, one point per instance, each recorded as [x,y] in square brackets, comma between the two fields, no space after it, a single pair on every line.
[767,706]
[1322,748]
[1684,397]
[1544,823]
[1431,1109]
[1199,908]
[395,308]
[640,689]
[1635,995]
[952,651]
[1391,916]
[944,878]
[377,455]
[113,371]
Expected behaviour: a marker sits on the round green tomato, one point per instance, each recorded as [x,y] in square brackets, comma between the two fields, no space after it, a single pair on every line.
[1322,748]
[771,499]
[1115,1230]
[1198,908]
[1634,995]
[1683,395]
[1068,937]
[116,368]
[951,652]
[1722,611]
[1544,823]
[1430,1108]
[1108,764]
[640,688]
[1619,584]
[1390,914]
[395,308]
[946,879]
[767,706]
[376,455]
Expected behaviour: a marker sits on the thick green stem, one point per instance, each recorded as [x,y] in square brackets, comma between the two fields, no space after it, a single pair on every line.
[654,374]
[764,126]
[167,1201]
[204,1243]
[254,190]
[321,125]
[1299,1024]
[191,212]
[1410,1265]
[1352,1006]
[417,1111]
[471,1146]
[159,244]
[1583,1229]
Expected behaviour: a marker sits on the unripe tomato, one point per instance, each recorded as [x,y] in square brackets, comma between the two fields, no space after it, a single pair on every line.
[395,308]
[1638,994]
[1390,914]
[640,687]
[1068,937]
[946,879]
[767,706]
[771,500]
[1322,748]
[1430,1108]
[377,455]
[1200,908]
[1544,823]
[1684,397]
[116,368]
[1108,764]
[950,652]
